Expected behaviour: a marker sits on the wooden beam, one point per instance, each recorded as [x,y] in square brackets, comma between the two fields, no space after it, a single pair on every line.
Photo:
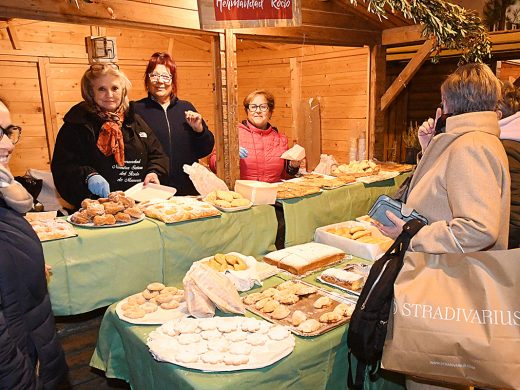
[406,75]
[49,109]
[377,76]
[400,36]
[232,104]
[13,37]
[295,99]
[218,129]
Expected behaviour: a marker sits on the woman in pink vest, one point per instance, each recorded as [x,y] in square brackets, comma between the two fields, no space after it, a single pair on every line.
[260,143]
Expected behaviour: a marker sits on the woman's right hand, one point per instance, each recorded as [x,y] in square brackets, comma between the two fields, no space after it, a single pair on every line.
[98,186]
[427,129]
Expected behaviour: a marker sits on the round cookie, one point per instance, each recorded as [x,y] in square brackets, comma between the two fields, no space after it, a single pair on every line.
[170,305]
[155,286]
[241,348]
[212,357]
[187,357]
[236,360]
[188,338]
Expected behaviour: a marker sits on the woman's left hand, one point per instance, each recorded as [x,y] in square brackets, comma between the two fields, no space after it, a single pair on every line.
[151,178]
[391,231]
[194,119]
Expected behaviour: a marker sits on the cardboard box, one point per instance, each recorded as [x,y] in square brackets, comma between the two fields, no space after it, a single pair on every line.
[257,192]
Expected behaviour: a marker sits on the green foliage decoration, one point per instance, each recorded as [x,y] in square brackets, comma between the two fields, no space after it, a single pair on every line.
[452,26]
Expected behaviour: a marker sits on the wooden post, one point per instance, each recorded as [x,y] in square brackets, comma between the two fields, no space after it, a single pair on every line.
[232,103]
[218,90]
[295,99]
[49,110]
[377,73]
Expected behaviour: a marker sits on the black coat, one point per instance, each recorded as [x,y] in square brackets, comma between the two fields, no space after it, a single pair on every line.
[27,331]
[76,155]
[181,143]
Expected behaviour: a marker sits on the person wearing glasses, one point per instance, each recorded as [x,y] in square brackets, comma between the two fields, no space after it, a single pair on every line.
[104,145]
[31,356]
[184,135]
[260,144]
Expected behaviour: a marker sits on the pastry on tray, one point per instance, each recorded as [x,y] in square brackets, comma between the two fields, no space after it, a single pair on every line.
[287,190]
[178,209]
[304,258]
[356,169]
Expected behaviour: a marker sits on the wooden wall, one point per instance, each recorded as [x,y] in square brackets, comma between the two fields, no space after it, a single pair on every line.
[508,71]
[337,76]
[40,79]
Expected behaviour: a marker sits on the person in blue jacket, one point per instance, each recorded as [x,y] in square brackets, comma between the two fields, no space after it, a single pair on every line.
[183,134]
[31,356]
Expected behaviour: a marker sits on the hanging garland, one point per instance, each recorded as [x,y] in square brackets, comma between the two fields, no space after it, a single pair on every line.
[451,26]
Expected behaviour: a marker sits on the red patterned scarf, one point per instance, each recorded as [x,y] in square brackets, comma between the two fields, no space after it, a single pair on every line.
[110,140]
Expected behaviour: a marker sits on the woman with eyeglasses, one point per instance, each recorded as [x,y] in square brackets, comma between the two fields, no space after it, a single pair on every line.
[184,135]
[260,144]
[104,145]
[31,356]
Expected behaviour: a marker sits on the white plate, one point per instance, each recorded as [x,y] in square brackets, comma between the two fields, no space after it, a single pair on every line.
[139,193]
[158,317]
[117,224]
[165,348]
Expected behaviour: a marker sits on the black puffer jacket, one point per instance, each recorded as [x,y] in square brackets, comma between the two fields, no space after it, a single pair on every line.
[180,142]
[27,331]
[76,155]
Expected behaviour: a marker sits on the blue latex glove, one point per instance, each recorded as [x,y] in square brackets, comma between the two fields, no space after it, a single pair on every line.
[98,186]
[243,152]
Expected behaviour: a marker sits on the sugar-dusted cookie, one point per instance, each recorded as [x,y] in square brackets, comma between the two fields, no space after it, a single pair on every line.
[187,357]
[235,360]
[237,335]
[278,333]
[212,357]
[188,338]
[187,325]
[219,345]
[226,326]
[241,348]
[212,334]
[250,325]
[256,339]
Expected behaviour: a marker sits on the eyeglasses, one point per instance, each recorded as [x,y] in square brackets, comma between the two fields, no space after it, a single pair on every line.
[102,66]
[163,78]
[12,132]
[253,107]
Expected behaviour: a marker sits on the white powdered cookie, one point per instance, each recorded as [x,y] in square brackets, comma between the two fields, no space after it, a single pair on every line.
[187,357]
[264,327]
[240,349]
[279,332]
[250,325]
[208,324]
[219,345]
[169,329]
[256,339]
[212,357]
[187,325]
[322,302]
[236,360]
[200,347]
[226,326]
[237,335]
[188,338]
[212,334]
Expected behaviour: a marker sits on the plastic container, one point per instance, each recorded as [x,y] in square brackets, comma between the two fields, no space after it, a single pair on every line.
[257,192]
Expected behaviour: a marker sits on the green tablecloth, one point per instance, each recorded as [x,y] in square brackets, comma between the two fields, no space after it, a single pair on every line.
[304,215]
[250,232]
[101,266]
[316,363]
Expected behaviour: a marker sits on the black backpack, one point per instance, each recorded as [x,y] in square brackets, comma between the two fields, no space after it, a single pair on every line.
[368,324]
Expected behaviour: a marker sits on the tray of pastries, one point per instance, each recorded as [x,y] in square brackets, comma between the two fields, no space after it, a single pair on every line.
[220,343]
[395,167]
[323,181]
[356,169]
[178,209]
[228,201]
[48,227]
[290,189]
[351,277]
[230,261]
[305,258]
[156,304]
[306,309]
[115,210]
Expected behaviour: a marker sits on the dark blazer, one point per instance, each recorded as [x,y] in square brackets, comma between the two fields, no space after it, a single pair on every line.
[179,141]
[27,330]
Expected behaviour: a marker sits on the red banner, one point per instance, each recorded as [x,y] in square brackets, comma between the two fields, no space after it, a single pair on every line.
[253,9]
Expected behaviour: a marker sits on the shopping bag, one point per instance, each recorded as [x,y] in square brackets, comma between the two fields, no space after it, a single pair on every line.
[456,319]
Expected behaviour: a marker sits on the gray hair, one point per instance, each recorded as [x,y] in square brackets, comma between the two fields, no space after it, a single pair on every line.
[509,104]
[99,70]
[471,88]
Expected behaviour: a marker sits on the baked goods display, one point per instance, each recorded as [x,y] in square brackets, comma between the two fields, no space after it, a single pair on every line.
[289,189]
[351,278]
[52,229]
[178,209]
[223,262]
[304,308]
[220,343]
[228,200]
[115,210]
[304,258]
[156,304]
[327,183]
[359,239]
[394,167]
[356,169]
